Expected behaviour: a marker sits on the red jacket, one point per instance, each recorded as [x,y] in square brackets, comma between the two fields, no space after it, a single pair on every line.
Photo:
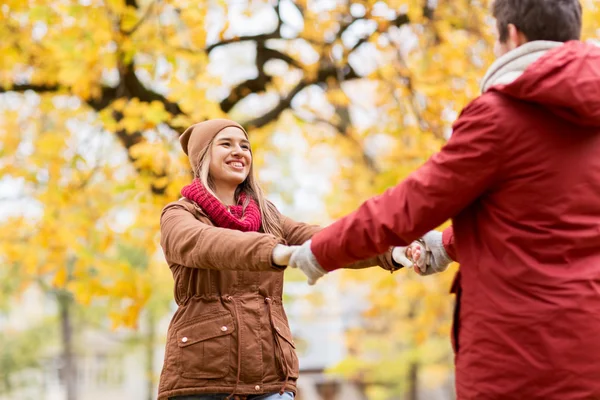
[520,178]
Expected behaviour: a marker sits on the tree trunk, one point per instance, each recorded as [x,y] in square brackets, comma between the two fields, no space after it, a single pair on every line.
[413,384]
[150,340]
[65,303]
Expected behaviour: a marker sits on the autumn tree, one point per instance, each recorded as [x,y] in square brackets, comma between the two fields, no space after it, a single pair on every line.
[372,85]
[82,230]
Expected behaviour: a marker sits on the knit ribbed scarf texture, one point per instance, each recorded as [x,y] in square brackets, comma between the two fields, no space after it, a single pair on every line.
[238,217]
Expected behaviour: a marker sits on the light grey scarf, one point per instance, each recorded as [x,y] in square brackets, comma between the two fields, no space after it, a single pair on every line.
[511,65]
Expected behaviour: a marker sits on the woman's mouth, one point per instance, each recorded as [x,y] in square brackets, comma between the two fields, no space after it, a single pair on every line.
[237,165]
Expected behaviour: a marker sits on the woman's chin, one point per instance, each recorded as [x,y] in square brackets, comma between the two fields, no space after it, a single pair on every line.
[229,178]
[236,179]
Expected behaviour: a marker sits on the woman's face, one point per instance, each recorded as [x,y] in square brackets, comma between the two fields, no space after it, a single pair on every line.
[230,157]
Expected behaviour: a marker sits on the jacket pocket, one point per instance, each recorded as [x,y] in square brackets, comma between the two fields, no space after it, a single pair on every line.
[285,349]
[205,347]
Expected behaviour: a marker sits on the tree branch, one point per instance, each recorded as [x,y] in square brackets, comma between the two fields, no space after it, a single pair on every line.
[428,10]
[344,73]
[129,140]
[273,54]
[35,88]
[342,129]
[279,20]
[263,54]
[347,73]
[256,85]
[141,20]
[130,87]
[344,27]
[98,104]
[273,114]
[109,94]
[400,20]
[251,38]
[263,37]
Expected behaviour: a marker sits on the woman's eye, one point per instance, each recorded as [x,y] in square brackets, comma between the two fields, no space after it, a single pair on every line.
[225,144]
[245,147]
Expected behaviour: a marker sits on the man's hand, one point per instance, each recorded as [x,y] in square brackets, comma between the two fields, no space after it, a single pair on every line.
[304,260]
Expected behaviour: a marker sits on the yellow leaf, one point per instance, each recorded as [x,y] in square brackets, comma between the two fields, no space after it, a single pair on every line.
[60,278]
[131,124]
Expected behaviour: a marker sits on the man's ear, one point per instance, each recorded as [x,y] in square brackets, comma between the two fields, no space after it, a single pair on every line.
[516,38]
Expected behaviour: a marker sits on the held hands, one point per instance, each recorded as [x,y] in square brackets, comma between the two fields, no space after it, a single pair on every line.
[411,256]
[304,259]
[428,254]
[300,257]
[282,254]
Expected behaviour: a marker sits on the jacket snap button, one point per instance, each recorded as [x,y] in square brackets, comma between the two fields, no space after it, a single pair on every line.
[267,299]
[184,339]
[277,328]
[229,298]
[257,387]
[223,328]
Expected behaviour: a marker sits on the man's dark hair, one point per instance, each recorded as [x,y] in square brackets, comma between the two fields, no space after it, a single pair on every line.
[555,20]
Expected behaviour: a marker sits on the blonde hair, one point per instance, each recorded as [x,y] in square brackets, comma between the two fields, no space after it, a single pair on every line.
[270,216]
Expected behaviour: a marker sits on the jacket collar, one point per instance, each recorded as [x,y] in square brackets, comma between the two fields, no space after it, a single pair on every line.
[192,206]
[511,65]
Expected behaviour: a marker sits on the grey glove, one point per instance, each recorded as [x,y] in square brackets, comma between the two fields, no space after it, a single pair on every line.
[304,259]
[435,258]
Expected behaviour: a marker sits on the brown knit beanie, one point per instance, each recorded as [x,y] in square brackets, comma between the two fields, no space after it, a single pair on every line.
[198,136]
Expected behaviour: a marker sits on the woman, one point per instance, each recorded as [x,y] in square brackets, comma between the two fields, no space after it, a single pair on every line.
[226,247]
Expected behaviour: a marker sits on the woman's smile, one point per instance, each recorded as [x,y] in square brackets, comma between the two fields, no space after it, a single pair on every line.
[236,165]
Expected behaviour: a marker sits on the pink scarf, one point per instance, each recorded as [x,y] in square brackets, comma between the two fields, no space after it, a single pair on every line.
[236,217]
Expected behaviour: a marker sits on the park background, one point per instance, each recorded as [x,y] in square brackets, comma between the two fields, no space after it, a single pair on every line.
[341,100]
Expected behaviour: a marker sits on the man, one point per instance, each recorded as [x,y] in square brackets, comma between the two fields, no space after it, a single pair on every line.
[520,179]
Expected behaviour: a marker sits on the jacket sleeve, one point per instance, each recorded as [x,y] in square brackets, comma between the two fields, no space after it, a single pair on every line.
[296,233]
[448,182]
[188,242]
[448,242]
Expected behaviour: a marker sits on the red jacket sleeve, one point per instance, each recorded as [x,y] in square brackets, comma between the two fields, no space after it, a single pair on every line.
[449,181]
[448,242]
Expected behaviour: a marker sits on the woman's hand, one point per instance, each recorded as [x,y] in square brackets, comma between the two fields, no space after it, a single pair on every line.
[401,256]
[411,256]
[281,254]
[417,253]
